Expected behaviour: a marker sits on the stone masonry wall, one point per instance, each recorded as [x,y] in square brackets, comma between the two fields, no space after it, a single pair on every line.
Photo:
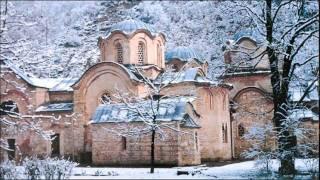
[108,148]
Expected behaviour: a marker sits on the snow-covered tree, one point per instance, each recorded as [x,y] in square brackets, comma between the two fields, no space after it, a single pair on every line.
[289,30]
[149,110]
[262,139]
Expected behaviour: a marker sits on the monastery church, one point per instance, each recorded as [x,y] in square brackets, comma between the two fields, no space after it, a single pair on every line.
[207,119]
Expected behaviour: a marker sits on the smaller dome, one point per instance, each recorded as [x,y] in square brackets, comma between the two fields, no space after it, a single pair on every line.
[253,34]
[184,54]
[130,26]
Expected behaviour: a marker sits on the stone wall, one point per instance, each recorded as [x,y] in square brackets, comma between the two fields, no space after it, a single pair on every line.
[29,142]
[108,148]
[61,96]
[213,106]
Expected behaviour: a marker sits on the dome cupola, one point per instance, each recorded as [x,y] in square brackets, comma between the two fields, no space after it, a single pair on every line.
[182,57]
[183,53]
[133,42]
[130,26]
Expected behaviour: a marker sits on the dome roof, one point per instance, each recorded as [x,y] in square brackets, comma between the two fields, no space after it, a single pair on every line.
[252,34]
[130,26]
[184,54]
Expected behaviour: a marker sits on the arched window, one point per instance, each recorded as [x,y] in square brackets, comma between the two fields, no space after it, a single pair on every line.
[119,56]
[240,130]
[105,99]
[141,53]
[8,107]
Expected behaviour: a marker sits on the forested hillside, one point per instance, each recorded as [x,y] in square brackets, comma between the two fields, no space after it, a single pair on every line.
[59,39]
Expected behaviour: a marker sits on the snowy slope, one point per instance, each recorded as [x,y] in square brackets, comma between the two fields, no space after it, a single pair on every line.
[243,170]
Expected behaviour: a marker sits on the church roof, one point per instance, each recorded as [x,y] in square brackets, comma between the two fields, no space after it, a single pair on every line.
[184,54]
[54,107]
[130,26]
[252,34]
[186,75]
[34,81]
[171,109]
[303,113]
[296,92]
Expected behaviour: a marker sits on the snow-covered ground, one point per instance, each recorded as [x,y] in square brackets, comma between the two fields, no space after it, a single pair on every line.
[243,170]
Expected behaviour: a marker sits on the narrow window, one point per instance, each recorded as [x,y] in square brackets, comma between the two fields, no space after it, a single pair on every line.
[119,53]
[224,133]
[196,140]
[124,143]
[55,145]
[141,53]
[223,136]
[12,147]
[240,130]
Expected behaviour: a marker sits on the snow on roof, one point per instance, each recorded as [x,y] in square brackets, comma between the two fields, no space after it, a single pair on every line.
[303,113]
[130,26]
[45,82]
[296,92]
[37,82]
[53,84]
[184,54]
[55,107]
[187,75]
[249,33]
[64,85]
[171,109]
[245,72]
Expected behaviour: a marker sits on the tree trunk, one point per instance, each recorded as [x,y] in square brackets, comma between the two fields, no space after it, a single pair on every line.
[286,140]
[152,150]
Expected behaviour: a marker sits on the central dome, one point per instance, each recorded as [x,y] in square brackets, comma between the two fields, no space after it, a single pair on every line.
[130,26]
[184,54]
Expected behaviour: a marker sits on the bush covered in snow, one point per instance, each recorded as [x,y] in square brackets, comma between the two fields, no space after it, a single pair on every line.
[34,168]
[8,170]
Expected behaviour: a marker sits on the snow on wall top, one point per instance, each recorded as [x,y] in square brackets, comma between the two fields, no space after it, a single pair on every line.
[55,107]
[184,54]
[171,109]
